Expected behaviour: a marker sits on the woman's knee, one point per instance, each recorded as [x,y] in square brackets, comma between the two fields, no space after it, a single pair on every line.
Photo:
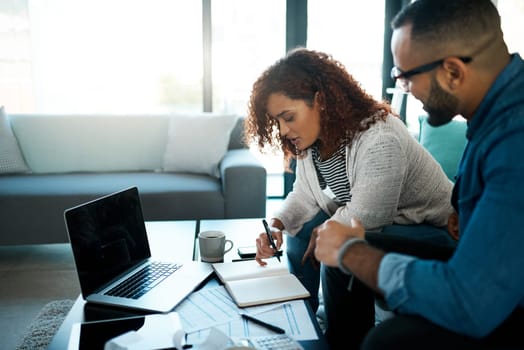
[422,232]
[297,245]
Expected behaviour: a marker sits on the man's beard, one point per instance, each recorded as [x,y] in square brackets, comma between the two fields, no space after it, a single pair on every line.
[441,106]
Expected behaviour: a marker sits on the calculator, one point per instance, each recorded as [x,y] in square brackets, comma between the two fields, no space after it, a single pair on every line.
[274,342]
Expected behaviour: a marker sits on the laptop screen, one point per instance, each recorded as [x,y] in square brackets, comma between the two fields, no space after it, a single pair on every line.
[108,237]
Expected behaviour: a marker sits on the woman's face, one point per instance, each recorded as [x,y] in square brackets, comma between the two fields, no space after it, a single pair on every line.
[297,122]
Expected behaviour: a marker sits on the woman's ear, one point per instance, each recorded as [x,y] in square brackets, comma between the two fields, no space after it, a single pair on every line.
[319,100]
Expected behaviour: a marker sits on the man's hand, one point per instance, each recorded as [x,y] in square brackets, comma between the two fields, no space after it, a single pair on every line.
[362,260]
[264,249]
[330,237]
[453,226]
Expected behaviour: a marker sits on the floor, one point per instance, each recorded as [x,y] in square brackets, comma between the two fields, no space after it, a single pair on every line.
[33,275]
[30,277]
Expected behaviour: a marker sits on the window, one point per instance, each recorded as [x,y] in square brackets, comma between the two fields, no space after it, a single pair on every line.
[511,14]
[247,37]
[15,57]
[113,56]
[353,32]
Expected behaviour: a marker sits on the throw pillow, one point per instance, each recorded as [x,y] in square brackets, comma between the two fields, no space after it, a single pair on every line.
[196,144]
[11,158]
[446,143]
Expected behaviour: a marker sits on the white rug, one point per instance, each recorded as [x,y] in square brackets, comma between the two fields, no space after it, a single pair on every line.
[42,329]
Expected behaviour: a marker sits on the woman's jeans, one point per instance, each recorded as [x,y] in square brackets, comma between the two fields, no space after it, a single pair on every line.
[308,274]
[354,308]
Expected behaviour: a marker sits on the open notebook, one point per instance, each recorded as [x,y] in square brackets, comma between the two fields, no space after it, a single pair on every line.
[250,284]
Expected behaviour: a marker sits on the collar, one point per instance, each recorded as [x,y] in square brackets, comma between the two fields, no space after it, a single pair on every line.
[491,103]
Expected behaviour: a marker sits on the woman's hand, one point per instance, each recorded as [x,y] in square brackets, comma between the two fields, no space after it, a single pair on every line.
[264,248]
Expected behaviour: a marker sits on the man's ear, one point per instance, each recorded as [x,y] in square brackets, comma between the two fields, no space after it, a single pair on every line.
[454,72]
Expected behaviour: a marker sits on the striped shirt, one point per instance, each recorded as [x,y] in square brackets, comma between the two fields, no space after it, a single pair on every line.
[332,173]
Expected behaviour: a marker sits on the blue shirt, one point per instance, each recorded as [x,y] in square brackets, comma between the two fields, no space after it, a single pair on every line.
[479,287]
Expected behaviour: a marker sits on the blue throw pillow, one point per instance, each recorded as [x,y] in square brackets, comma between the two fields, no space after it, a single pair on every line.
[445,143]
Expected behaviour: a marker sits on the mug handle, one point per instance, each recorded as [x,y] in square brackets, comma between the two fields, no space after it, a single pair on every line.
[230,247]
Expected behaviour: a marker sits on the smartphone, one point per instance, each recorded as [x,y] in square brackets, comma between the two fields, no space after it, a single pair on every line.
[249,252]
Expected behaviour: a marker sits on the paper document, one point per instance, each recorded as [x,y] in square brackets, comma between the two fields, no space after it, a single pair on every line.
[213,307]
[158,332]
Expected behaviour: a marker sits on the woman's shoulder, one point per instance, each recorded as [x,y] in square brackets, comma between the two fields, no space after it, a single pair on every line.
[392,122]
[391,125]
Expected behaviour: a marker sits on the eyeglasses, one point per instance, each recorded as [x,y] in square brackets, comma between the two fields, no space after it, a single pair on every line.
[403,77]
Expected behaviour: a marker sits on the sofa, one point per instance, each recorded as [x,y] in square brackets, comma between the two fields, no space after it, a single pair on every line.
[186,167]
[445,143]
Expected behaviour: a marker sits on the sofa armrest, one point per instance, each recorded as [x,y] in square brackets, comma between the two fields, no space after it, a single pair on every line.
[244,184]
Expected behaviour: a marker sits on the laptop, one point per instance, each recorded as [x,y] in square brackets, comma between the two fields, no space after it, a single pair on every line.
[113,259]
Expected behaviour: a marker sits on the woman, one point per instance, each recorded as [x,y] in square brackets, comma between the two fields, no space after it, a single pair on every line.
[354,159]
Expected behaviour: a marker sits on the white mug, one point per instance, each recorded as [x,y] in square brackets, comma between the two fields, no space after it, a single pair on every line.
[212,245]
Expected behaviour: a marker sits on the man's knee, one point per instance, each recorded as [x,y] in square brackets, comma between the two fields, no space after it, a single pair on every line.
[413,332]
[394,333]
[333,276]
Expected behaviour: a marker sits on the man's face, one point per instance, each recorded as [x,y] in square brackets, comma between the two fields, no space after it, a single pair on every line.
[438,103]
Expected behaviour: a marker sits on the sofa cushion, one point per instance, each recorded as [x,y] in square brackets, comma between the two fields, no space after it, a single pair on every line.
[91,143]
[11,158]
[197,143]
[33,204]
[445,143]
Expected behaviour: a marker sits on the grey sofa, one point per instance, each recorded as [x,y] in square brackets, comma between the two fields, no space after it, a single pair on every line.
[32,203]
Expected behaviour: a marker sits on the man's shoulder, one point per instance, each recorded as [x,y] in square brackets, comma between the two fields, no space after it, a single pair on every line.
[502,109]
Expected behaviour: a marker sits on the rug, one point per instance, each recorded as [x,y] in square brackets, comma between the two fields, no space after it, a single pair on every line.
[42,329]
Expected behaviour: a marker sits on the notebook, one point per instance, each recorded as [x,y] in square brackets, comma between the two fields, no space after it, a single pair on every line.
[113,259]
[250,284]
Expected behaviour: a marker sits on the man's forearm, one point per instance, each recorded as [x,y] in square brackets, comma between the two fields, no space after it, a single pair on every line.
[364,261]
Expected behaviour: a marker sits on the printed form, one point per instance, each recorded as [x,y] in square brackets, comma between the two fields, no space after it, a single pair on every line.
[213,307]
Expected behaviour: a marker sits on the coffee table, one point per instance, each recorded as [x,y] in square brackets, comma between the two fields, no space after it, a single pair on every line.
[168,240]
[175,240]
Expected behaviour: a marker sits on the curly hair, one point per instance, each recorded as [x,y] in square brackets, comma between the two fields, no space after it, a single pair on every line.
[345,108]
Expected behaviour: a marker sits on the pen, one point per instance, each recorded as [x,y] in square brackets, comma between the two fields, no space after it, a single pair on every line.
[264,324]
[270,237]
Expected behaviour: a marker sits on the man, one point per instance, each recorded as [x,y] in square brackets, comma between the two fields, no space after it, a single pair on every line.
[451,55]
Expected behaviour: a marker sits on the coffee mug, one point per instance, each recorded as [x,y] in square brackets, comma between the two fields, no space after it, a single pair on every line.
[212,245]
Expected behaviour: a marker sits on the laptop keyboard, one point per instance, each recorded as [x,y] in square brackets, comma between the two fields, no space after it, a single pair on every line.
[143,280]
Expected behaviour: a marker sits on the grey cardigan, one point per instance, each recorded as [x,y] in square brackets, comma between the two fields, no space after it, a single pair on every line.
[393,179]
